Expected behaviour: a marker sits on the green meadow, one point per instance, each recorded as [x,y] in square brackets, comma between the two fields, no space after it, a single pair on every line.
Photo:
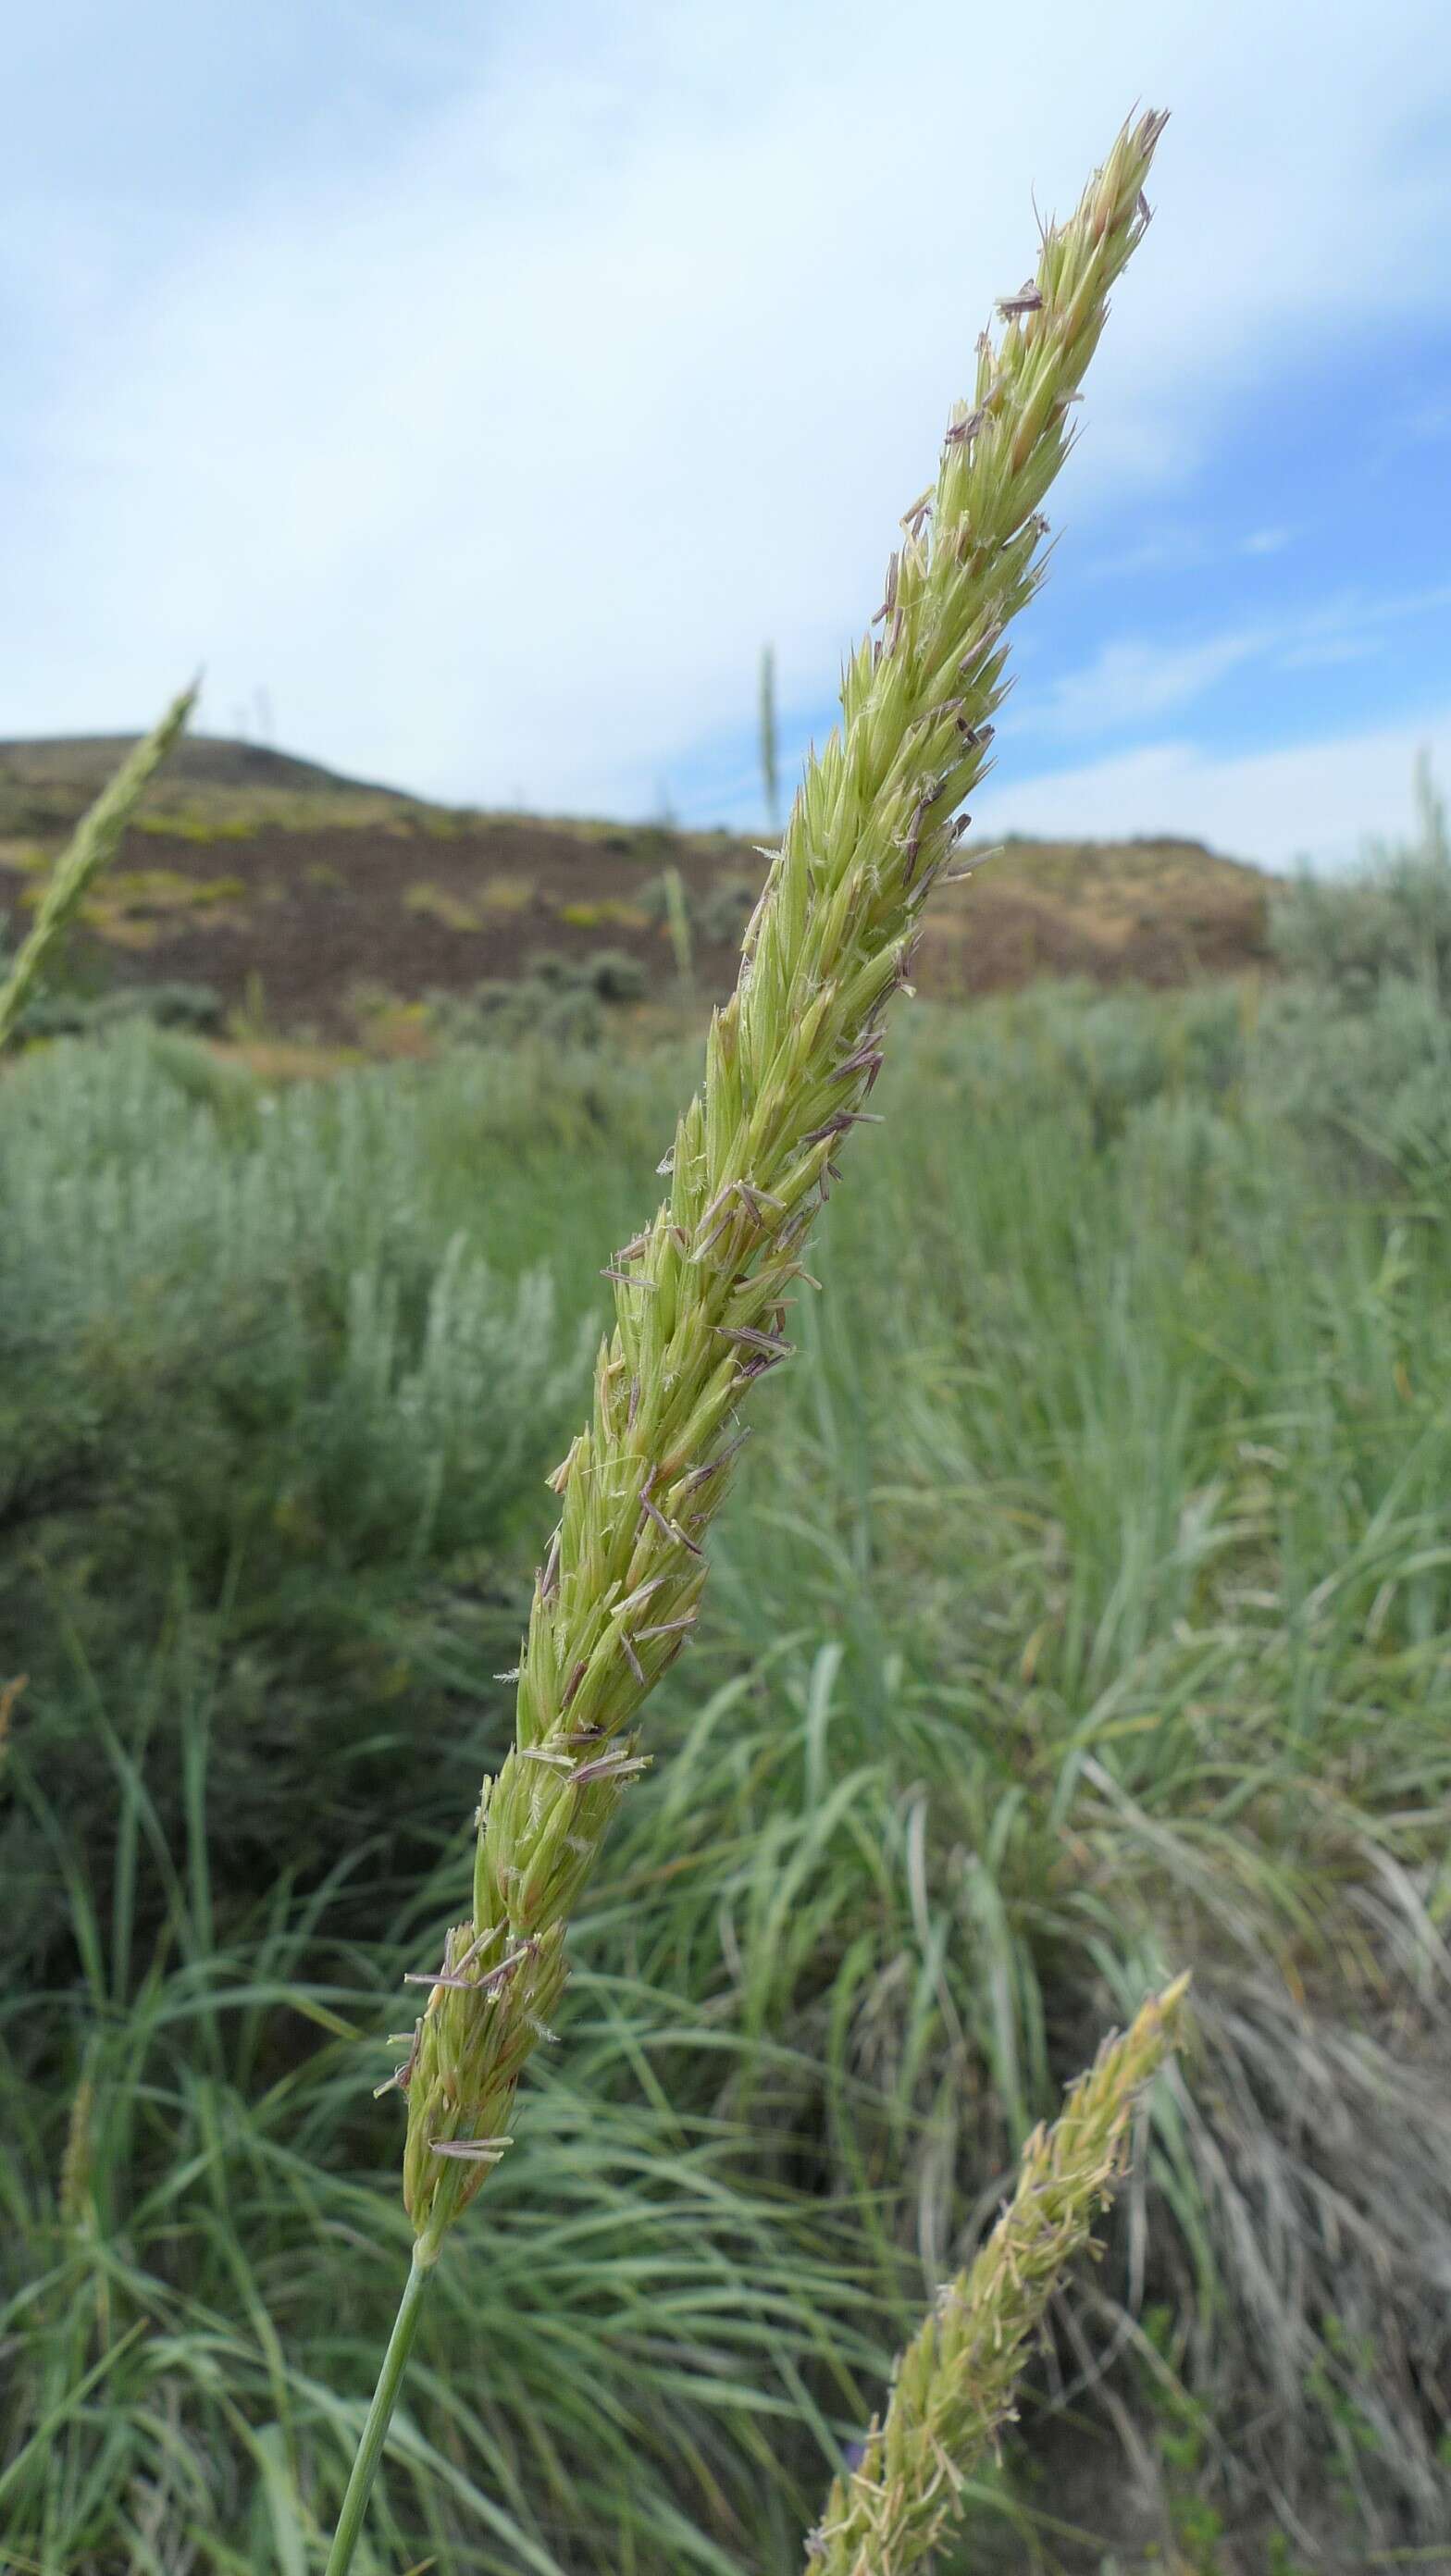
[1081,1614]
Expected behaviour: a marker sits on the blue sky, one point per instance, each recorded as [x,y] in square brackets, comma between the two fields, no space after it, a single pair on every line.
[474,392]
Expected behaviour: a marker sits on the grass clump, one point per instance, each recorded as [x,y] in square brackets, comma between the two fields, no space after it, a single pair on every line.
[204,2251]
[184,825]
[604,911]
[439,903]
[1082,1615]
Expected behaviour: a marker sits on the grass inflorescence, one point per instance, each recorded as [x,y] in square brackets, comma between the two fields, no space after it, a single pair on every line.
[953,2388]
[92,845]
[702,1293]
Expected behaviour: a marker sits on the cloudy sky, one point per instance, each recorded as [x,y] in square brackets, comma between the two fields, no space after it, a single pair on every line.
[474,391]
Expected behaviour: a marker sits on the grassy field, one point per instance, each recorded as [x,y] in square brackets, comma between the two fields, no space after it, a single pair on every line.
[1083,1616]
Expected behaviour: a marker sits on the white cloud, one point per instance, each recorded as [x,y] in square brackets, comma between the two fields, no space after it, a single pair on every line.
[1327,652]
[1132,680]
[1179,548]
[1319,800]
[497,459]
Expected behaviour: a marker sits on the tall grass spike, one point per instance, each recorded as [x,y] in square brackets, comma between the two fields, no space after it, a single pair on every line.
[953,2387]
[702,1294]
[91,846]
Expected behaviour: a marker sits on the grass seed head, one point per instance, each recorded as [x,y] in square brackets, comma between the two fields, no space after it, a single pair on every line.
[91,847]
[789,1061]
[953,2387]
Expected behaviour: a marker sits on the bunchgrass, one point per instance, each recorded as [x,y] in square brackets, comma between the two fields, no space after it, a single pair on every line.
[1082,1613]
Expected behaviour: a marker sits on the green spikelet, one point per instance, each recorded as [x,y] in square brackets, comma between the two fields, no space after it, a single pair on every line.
[92,845]
[952,2391]
[702,1295]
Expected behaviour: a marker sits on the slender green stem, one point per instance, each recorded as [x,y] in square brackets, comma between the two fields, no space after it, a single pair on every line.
[380,2413]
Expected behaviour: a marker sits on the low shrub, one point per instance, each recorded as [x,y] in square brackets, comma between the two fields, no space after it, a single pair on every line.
[558,1001]
[1388,922]
[176,1005]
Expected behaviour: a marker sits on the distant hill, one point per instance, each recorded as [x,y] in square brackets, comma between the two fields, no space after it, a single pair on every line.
[259,873]
[48,783]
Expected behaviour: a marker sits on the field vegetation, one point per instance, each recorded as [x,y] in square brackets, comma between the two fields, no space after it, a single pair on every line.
[285,893]
[1084,1616]
[1090,1615]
